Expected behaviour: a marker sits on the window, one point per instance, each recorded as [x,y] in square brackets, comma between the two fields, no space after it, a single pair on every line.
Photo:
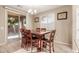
[44,20]
[48,22]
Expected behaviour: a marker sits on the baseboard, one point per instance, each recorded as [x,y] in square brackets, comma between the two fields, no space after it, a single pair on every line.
[75,51]
[63,43]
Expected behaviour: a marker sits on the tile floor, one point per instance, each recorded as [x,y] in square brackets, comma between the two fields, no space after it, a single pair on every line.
[58,49]
[14,47]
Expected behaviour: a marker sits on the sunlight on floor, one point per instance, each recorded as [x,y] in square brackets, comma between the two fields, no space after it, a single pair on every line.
[11,37]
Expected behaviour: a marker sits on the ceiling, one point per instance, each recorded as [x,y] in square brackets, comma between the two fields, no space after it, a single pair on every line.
[39,8]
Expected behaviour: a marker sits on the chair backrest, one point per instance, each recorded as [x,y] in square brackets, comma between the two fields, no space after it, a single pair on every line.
[43,29]
[38,29]
[23,36]
[23,32]
[28,35]
[52,34]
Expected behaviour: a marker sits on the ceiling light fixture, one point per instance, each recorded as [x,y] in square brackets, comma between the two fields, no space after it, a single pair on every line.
[35,11]
[31,11]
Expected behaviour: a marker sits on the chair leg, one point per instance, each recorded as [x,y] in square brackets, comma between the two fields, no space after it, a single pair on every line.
[41,45]
[21,45]
[31,47]
[27,46]
[50,47]
[53,47]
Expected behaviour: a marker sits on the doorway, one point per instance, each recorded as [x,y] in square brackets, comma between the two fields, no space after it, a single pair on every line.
[15,22]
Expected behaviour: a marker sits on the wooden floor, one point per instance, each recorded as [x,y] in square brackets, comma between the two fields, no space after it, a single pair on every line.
[14,47]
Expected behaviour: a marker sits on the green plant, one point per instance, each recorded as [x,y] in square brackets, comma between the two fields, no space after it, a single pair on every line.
[12,21]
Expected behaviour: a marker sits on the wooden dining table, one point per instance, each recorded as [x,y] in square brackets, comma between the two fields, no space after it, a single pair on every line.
[40,35]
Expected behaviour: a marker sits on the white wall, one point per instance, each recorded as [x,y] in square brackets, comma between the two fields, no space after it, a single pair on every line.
[3,18]
[44,14]
[28,21]
[63,27]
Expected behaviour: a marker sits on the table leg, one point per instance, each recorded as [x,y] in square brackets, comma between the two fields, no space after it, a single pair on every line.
[39,48]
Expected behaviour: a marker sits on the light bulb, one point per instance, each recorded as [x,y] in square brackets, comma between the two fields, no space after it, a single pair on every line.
[35,11]
[30,10]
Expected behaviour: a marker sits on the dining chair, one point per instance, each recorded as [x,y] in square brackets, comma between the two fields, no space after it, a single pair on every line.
[31,42]
[48,43]
[36,36]
[38,29]
[28,39]
[23,36]
[43,29]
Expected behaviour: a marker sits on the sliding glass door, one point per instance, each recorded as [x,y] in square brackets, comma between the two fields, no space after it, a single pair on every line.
[15,22]
[13,27]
